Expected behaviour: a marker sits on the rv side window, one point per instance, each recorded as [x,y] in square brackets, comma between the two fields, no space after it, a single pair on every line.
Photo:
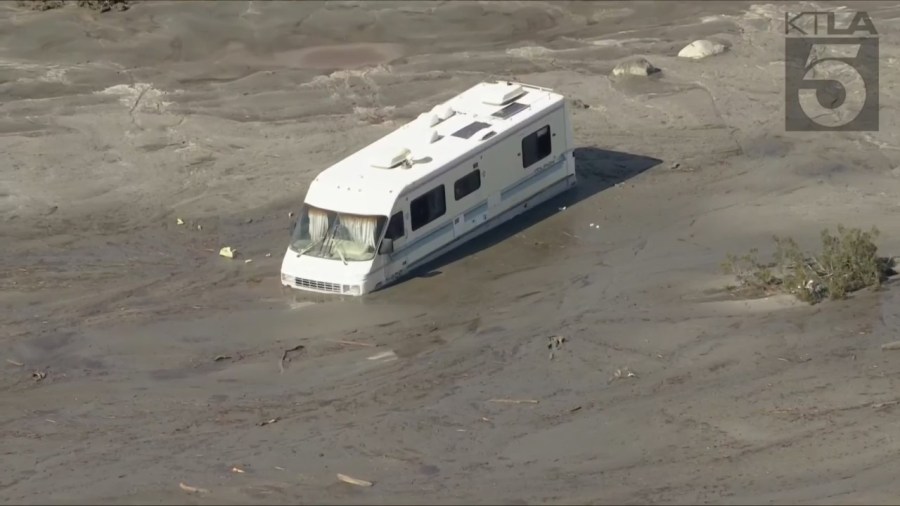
[536,147]
[427,208]
[467,184]
[395,227]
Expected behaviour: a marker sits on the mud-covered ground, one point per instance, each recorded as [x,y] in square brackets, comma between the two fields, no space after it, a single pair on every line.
[134,359]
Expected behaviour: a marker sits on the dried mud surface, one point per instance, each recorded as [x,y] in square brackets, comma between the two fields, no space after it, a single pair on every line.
[158,362]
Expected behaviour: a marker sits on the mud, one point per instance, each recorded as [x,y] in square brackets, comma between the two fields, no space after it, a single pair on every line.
[162,361]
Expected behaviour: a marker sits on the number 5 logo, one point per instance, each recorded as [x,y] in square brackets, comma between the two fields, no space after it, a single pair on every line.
[831,84]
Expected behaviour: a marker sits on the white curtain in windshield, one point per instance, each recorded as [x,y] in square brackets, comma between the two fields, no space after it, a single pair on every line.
[361,229]
[318,224]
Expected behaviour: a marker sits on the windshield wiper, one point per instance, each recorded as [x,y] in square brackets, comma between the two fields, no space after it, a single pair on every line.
[341,255]
[307,248]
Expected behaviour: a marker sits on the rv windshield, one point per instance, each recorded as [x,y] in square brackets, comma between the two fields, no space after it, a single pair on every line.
[338,236]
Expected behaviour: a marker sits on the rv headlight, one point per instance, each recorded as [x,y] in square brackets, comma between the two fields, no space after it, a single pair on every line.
[286,278]
[351,290]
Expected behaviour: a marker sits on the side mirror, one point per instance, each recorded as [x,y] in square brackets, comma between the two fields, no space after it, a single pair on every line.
[387,246]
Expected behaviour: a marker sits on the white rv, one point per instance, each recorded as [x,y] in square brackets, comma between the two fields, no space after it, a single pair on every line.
[454,173]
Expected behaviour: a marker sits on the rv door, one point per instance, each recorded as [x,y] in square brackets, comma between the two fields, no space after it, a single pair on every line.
[392,246]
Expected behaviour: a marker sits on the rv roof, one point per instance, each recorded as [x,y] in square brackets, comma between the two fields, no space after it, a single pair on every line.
[375,175]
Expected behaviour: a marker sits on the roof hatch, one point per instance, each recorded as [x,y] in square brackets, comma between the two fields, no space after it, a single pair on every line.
[502,93]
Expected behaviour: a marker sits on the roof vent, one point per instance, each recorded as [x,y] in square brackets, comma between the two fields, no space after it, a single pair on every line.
[391,159]
[430,118]
[432,137]
[502,93]
[443,111]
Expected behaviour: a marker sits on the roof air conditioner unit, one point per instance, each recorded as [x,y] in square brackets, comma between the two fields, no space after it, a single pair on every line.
[501,93]
[391,159]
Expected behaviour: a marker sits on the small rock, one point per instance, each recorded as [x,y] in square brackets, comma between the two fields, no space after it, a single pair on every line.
[701,49]
[674,166]
[634,67]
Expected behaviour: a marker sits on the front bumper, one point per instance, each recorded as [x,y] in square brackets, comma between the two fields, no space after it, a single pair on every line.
[311,285]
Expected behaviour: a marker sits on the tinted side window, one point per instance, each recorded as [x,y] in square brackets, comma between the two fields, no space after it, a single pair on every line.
[536,147]
[427,208]
[467,184]
[395,229]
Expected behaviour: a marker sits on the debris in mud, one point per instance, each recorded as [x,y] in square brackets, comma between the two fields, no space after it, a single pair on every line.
[220,358]
[514,401]
[284,356]
[41,5]
[701,49]
[352,343]
[577,102]
[38,375]
[13,362]
[192,490]
[268,255]
[236,469]
[385,356]
[555,343]
[105,5]
[268,422]
[96,5]
[247,261]
[576,408]
[179,221]
[621,374]
[891,346]
[227,252]
[354,481]
[635,67]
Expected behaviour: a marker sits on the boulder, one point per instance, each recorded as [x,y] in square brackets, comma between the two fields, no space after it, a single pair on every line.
[634,67]
[701,49]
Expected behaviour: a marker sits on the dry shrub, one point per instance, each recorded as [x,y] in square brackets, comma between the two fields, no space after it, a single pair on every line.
[97,5]
[848,262]
[105,5]
[40,5]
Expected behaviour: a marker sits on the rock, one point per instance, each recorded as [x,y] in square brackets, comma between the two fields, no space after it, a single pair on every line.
[701,49]
[227,252]
[634,67]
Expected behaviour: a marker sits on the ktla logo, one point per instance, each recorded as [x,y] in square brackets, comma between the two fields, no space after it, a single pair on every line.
[831,72]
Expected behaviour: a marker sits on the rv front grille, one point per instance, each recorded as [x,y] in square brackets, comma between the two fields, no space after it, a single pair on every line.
[321,286]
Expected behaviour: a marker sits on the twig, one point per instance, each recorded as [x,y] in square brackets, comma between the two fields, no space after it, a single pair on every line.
[13,362]
[352,343]
[193,490]
[354,481]
[514,401]
[891,346]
